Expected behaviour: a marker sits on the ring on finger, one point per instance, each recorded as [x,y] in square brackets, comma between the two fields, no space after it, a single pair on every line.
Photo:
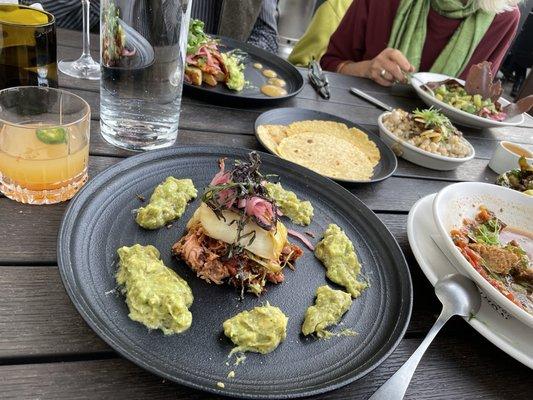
[383,72]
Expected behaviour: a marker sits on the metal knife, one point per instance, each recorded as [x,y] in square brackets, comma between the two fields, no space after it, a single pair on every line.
[371,99]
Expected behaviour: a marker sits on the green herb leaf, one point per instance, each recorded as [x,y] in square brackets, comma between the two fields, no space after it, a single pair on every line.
[488,233]
[55,135]
[196,37]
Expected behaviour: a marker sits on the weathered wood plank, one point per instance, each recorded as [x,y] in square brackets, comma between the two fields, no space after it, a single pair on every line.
[99,147]
[453,368]
[37,317]
[72,38]
[225,119]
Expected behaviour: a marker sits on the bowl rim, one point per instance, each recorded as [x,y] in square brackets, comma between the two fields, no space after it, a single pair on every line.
[473,118]
[465,267]
[501,144]
[410,146]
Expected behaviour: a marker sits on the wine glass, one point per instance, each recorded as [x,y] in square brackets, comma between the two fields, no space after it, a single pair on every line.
[84,67]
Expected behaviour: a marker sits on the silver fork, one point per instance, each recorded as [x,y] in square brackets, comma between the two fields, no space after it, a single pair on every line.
[410,76]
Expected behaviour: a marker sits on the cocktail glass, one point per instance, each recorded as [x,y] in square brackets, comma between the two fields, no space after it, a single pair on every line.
[44,144]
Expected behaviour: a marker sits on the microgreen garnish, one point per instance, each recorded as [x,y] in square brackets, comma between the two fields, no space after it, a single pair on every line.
[241,191]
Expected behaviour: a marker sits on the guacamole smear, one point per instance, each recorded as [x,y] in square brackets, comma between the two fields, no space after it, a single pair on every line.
[235,79]
[330,305]
[337,254]
[167,203]
[260,330]
[300,212]
[156,296]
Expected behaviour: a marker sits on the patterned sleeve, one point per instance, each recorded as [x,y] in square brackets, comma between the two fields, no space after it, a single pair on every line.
[265,31]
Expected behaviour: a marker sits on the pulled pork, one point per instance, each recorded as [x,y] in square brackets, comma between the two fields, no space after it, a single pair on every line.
[208,258]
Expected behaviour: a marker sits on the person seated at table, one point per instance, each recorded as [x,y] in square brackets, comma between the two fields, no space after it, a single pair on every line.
[384,40]
[314,42]
[252,21]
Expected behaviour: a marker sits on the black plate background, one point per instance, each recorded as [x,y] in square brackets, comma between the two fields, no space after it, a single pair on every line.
[100,219]
[287,115]
[252,95]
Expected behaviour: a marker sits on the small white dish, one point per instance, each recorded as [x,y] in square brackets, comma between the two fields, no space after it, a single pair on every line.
[456,115]
[418,156]
[494,323]
[504,159]
[456,202]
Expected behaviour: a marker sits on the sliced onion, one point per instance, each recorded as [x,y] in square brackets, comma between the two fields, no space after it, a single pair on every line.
[221,177]
[302,238]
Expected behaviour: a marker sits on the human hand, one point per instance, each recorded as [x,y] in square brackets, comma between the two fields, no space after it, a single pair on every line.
[388,67]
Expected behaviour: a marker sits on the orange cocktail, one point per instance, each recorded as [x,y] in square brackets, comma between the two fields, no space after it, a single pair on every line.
[44,144]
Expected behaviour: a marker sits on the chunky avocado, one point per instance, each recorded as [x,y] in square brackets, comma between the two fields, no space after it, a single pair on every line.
[330,305]
[235,80]
[300,212]
[260,330]
[338,256]
[156,296]
[167,203]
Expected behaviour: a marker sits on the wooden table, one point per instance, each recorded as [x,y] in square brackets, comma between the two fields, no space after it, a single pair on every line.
[48,352]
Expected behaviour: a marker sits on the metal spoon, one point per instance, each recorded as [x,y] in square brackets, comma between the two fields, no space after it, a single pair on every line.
[459,296]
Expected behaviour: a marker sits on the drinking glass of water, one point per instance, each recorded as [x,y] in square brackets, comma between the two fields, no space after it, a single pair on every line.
[143,45]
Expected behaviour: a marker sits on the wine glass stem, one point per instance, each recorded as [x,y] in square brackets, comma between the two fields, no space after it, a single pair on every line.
[86,38]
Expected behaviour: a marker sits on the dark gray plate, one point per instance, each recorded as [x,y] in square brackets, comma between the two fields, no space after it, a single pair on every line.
[285,116]
[100,219]
[250,95]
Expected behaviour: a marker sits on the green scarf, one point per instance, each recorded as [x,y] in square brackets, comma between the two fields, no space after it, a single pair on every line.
[410,25]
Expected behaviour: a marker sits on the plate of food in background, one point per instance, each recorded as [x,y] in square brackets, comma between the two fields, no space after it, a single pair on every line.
[476,102]
[220,69]
[225,270]
[426,138]
[329,145]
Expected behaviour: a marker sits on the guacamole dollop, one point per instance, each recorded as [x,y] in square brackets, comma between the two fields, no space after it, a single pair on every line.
[235,80]
[337,254]
[167,203]
[156,296]
[300,212]
[260,330]
[330,305]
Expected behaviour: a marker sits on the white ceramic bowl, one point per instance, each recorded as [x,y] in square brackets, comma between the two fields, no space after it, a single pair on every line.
[504,159]
[418,156]
[462,200]
[456,115]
